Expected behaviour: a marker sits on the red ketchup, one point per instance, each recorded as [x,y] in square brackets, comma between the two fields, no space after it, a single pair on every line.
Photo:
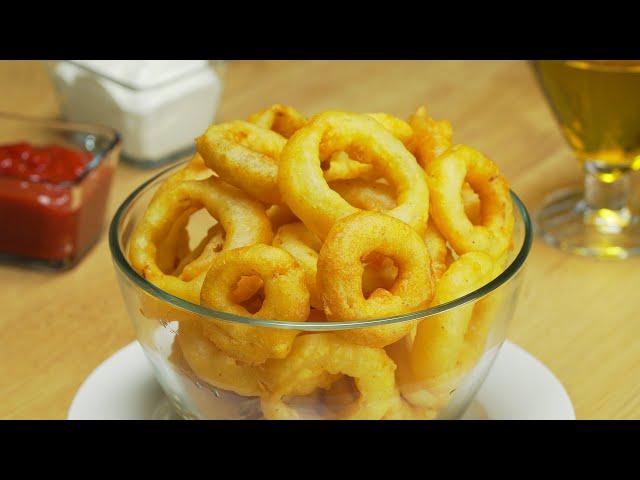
[52,203]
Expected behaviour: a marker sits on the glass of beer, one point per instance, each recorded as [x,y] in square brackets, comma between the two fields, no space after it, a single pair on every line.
[597,104]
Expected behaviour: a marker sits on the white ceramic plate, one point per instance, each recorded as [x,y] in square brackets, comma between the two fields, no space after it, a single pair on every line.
[519,387]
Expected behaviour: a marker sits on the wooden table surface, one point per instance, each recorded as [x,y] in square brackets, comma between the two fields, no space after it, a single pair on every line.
[578,315]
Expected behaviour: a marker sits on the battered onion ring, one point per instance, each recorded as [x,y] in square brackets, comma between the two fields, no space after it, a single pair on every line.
[379,197]
[246,288]
[286,299]
[282,119]
[285,121]
[439,339]
[343,167]
[174,248]
[432,394]
[340,272]
[379,272]
[400,409]
[160,311]
[471,202]
[199,259]
[213,366]
[315,355]
[436,392]
[430,138]
[176,358]
[244,155]
[486,313]
[445,176]
[280,215]
[316,315]
[366,195]
[399,128]
[243,220]
[438,251]
[303,246]
[340,394]
[195,169]
[306,192]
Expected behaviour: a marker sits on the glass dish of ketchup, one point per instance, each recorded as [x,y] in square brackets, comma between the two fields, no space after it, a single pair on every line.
[55,179]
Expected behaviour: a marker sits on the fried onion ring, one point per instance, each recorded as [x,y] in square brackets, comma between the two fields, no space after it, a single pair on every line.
[303,246]
[484,315]
[439,339]
[285,121]
[398,128]
[379,272]
[343,167]
[430,138]
[316,315]
[307,193]
[282,119]
[174,248]
[243,220]
[446,175]
[246,288]
[244,155]
[212,365]
[366,195]
[340,271]
[311,358]
[195,169]
[432,394]
[436,392]
[338,395]
[280,215]
[400,409]
[471,202]
[286,299]
[438,250]
[379,197]
[486,312]
[199,259]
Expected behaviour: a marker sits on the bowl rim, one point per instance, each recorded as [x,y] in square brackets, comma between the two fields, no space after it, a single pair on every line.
[112,135]
[123,265]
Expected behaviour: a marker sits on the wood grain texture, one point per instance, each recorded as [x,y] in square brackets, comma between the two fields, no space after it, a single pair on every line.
[579,316]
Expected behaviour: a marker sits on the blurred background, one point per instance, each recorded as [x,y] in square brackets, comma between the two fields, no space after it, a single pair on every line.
[578,315]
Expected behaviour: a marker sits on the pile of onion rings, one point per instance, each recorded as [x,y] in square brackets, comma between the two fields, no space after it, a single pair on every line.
[340,217]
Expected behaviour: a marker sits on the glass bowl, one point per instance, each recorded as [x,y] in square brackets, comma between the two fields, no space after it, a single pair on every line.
[203,384]
[158,107]
[55,224]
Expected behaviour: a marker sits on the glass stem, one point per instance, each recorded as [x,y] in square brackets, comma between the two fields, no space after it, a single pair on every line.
[607,190]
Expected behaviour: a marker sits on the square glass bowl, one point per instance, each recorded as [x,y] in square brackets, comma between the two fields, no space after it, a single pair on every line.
[158,106]
[55,224]
[363,382]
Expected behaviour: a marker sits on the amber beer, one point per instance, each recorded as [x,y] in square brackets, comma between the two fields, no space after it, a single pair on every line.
[597,103]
